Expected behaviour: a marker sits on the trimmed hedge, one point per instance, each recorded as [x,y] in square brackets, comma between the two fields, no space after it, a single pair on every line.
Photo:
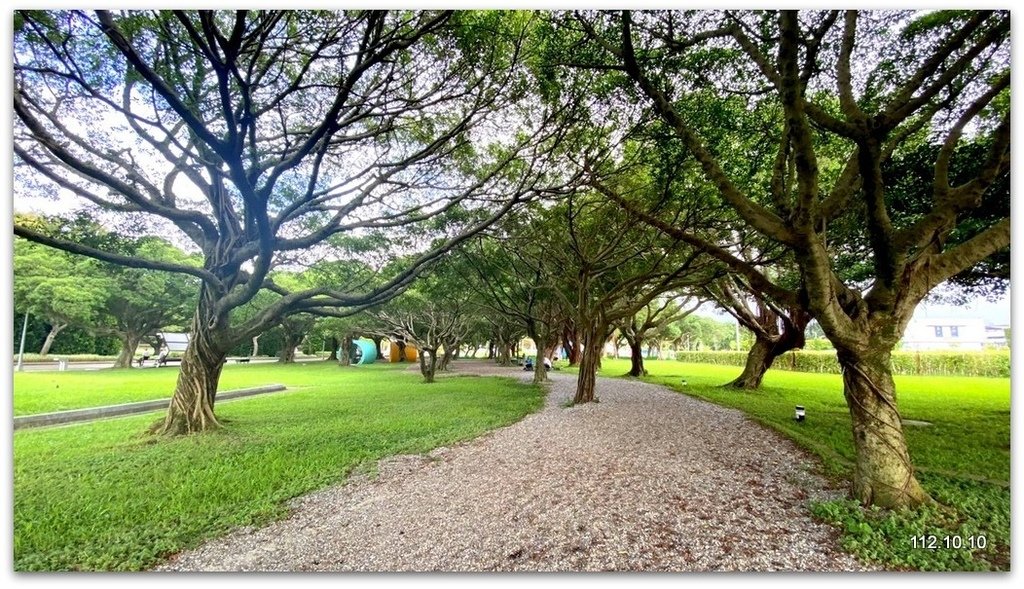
[992,363]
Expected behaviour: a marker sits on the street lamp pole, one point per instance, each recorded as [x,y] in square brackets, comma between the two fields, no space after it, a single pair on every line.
[21,349]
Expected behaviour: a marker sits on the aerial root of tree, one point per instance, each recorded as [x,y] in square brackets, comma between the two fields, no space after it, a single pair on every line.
[191,408]
[188,413]
[181,420]
[883,475]
[177,424]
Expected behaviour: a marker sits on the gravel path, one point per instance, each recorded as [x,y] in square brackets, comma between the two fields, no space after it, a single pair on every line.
[647,479]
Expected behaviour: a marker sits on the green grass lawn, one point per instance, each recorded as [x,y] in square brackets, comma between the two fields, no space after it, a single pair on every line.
[105,496]
[963,459]
[43,392]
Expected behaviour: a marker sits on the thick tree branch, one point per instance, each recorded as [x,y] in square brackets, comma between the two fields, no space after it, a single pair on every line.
[942,267]
[759,217]
[844,77]
[732,262]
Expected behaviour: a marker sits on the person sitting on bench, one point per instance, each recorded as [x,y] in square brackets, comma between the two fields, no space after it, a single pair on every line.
[161,360]
[528,365]
[547,363]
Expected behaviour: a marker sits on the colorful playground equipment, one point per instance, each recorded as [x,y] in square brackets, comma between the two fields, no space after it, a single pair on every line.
[363,351]
[410,353]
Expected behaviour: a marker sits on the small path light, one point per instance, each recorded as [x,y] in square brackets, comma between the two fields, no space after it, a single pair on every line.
[683,382]
[799,414]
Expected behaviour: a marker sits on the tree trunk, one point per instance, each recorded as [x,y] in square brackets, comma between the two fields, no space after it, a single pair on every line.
[255,346]
[549,350]
[766,349]
[759,359]
[129,344]
[502,353]
[345,356]
[401,350]
[884,475]
[447,357]
[490,349]
[54,330]
[571,343]
[376,344]
[539,373]
[191,408]
[636,357]
[287,355]
[333,357]
[589,361]
[428,367]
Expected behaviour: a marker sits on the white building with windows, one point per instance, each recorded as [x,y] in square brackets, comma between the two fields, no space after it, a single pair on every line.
[996,335]
[945,333]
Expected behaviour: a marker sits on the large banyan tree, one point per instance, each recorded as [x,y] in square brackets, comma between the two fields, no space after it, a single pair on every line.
[850,91]
[260,136]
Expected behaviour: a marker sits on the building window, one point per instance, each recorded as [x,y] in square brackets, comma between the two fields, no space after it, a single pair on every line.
[954,331]
[938,331]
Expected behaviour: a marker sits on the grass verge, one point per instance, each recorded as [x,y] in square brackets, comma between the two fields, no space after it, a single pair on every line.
[44,392]
[963,458]
[104,496]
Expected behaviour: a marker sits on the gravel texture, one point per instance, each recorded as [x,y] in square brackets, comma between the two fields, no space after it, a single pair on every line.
[645,480]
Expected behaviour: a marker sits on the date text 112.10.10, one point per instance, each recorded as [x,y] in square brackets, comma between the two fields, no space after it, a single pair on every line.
[948,542]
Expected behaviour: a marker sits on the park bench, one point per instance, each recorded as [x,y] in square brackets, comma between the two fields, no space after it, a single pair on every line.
[158,361]
[171,342]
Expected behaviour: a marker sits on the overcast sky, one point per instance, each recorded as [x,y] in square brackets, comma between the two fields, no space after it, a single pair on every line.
[997,313]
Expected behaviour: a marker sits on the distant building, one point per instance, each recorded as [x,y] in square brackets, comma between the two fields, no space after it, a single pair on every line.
[944,333]
[996,335]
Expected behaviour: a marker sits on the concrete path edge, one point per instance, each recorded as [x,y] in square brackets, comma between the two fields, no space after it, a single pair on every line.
[91,413]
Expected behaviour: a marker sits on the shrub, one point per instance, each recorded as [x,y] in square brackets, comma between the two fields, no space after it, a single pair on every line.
[990,363]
